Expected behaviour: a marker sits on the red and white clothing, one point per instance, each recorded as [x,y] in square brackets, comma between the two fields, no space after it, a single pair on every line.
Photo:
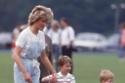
[123,37]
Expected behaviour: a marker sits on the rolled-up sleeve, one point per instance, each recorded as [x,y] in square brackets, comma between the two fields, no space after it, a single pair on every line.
[20,42]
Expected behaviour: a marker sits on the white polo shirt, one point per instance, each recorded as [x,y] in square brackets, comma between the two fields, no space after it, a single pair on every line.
[55,36]
[67,35]
[32,44]
[69,78]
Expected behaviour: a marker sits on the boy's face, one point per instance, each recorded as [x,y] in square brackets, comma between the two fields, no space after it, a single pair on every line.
[108,81]
[66,68]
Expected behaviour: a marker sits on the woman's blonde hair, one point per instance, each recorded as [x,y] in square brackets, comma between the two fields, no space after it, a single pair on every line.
[40,12]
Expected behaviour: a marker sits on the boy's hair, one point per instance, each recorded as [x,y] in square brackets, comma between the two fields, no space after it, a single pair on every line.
[40,12]
[105,75]
[64,60]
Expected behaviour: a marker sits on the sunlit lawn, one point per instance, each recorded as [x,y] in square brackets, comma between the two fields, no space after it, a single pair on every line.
[86,67]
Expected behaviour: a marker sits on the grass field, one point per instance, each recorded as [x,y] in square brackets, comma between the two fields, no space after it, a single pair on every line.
[86,67]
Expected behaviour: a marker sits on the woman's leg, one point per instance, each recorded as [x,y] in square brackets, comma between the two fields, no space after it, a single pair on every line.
[18,77]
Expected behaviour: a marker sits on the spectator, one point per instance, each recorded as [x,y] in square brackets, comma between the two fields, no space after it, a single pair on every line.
[43,70]
[54,34]
[67,38]
[122,42]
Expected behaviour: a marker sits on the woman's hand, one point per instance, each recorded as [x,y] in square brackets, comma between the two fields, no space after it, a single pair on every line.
[47,63]
[27,77]
[17,59]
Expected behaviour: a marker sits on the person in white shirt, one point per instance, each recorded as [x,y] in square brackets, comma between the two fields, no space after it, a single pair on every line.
[54,34]
[30,45]
[43,70]
[67,38]
[63,76]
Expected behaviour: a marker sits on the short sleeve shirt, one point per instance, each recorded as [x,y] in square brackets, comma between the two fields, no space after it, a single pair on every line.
[69,78]
[32,44]
[67,35]
[55,36]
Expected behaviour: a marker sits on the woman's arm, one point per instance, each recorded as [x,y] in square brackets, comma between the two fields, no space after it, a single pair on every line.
[49,79]
[46,62]
[16,57]
[48,65]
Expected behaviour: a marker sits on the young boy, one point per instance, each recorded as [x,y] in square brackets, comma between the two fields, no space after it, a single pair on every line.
[63,76]
[106,76]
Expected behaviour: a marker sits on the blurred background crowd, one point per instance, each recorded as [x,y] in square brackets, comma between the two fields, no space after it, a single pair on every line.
[96,23]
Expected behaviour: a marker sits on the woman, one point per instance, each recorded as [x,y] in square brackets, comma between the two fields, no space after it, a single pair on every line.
[30,45]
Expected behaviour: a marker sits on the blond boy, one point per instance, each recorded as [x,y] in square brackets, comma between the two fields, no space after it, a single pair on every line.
[106,76]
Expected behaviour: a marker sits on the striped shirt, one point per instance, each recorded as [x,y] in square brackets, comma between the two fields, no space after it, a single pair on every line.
[69,78]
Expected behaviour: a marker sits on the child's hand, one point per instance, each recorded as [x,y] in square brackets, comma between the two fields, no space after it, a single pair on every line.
[53,79]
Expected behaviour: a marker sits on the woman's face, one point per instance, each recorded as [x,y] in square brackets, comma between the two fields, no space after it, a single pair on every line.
[41,24]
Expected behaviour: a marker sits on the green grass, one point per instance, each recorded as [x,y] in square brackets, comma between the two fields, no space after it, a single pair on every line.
[6,68]
[86,67]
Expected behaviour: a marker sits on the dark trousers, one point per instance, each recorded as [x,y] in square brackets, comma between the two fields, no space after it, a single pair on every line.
[66,51]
